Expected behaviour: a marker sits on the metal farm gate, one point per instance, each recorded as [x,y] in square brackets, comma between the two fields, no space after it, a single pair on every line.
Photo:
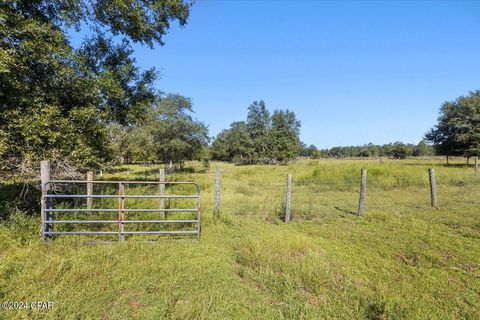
[50,210]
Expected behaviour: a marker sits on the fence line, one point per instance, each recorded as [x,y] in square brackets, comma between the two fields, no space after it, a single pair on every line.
[305,195]
[292,198]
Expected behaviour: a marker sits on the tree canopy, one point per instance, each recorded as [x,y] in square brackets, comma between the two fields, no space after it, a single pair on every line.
[56,100]
[234,144]
[167,133]
[458,130]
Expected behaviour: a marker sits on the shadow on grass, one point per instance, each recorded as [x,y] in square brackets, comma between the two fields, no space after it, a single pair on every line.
[345,210]
[15,197]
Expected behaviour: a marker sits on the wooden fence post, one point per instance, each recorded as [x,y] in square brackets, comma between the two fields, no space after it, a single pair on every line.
[288,198]
[89,189]
[162,191]
[45,202]
[216,209]
[476,166]
[433,187]
[363,192]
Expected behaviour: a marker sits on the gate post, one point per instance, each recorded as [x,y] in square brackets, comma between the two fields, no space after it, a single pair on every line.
[89,189]
[45,202]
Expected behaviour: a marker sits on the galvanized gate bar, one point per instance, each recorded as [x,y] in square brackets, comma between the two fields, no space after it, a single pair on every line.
[113,196]
[121,181]
[116,221]
[125,210]
[48,197]
[54,233]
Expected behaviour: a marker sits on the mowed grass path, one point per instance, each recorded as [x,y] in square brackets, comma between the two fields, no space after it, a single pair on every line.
[401,260]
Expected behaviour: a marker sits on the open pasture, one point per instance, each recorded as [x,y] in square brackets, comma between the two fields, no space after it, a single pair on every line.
[400,260]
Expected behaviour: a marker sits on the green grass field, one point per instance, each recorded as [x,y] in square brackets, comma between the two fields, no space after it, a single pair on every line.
[400,260]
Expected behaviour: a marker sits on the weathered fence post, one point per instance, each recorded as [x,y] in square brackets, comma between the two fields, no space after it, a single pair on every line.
[45,202]
[162,191]
[476,166]
[288,197]
[121,212]
[89,189]
[363,192]
[433,187]
[216,208]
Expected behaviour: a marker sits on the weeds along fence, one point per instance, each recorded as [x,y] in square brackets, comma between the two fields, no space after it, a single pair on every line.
[319,193]
[325,189]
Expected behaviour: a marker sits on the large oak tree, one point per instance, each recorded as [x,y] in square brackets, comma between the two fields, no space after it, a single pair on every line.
[55,100]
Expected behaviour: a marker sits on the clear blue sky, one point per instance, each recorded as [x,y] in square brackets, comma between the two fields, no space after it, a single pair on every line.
[353,72]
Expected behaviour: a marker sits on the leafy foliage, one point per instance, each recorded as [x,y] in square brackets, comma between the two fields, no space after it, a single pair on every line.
[262,138]
[310,151]
[55,100]
[259,123]
[285,134]
[167,133]
[234,144]
[458,130]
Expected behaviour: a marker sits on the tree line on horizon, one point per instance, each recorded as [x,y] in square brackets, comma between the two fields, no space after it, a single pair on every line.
[396,150]
[271,138]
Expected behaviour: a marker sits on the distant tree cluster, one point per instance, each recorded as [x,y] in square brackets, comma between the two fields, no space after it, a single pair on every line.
[397,150]
[167,133]
[263,138]
[310,151]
